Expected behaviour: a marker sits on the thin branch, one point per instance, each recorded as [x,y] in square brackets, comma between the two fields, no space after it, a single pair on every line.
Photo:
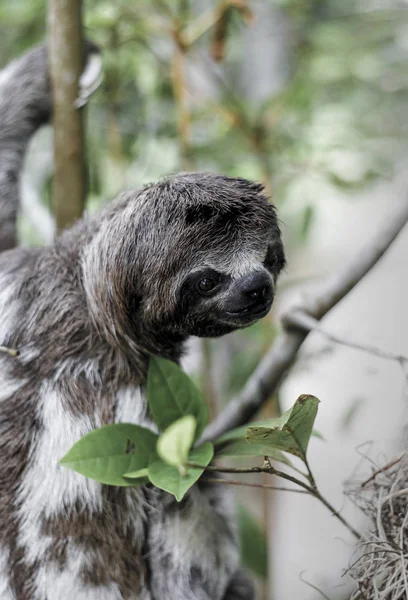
[314,587]
[385,468]
[336,514]
[270,470]
[180,93]
[255,485]
[282,354]
[195,29]
[267,469]
[300,319]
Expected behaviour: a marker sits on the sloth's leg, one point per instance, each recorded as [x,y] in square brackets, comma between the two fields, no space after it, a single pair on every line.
[192,547]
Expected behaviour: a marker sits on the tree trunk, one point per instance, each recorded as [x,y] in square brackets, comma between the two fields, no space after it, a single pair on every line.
[66,65]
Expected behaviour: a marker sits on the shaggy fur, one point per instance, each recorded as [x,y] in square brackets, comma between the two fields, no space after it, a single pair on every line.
[86,313]
[25,105]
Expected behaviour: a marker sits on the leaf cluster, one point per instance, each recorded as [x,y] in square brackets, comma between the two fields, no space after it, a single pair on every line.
[169,454]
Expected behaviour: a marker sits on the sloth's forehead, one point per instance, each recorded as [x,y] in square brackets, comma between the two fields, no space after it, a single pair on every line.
[235,261]
[220,248]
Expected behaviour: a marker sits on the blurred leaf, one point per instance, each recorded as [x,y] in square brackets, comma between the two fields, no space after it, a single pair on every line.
[350,413]
[175,442]
[348,185]
[253,543]
[317,434]
[170,479]
[307,221]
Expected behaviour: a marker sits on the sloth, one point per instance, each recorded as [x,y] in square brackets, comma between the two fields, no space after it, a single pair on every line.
[25,105]
[196,254]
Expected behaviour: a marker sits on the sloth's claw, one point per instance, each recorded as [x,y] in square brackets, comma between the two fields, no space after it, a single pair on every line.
[90,79]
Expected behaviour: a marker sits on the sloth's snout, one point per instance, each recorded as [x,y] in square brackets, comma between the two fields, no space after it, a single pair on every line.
[252,296]
[256,287]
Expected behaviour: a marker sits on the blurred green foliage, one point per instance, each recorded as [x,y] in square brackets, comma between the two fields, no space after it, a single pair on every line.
[253,543]
[337,118]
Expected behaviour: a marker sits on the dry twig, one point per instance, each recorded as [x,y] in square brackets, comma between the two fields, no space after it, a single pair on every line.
[300,319]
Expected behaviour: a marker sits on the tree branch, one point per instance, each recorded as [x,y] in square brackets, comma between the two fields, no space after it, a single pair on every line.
[283,351]
[270,470]
[302,320]
[264,486]
[66,62]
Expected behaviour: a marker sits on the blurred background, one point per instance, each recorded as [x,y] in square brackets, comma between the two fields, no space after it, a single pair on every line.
[311,98]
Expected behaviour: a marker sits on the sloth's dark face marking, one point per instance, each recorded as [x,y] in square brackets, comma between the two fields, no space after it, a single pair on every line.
[197,254]
[213,303]
[226,281]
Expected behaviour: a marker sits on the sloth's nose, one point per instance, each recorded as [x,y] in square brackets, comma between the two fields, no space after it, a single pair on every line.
[256,287]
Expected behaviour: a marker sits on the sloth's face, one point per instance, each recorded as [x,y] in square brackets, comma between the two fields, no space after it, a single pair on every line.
[196,254]
[213,255]
[232,292]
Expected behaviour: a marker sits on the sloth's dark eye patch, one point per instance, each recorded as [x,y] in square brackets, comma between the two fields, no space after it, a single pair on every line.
[205,283]
[275,258]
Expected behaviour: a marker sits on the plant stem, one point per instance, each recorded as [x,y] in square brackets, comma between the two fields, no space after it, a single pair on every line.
[310,475]
[269,470]
[336,514]
[313,491]
[264,486]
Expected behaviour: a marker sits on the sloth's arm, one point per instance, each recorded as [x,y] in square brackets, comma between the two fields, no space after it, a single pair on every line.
[24,106]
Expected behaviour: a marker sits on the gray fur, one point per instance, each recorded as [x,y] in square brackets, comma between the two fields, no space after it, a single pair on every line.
[86,313]
[25,105]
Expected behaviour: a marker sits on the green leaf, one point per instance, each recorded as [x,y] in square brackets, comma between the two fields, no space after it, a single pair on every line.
[293,435]
[243,448]
[174,444]
[253,544]
[307,219]
[170,479]
[240,432]
[106,454]
[172,395]
[140,474]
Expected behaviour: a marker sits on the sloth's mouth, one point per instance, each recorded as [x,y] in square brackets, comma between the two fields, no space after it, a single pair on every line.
[258,310]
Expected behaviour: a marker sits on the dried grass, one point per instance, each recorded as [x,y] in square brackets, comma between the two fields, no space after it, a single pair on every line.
[380,563]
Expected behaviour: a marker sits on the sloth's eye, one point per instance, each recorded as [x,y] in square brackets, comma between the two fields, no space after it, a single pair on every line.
[207,285]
